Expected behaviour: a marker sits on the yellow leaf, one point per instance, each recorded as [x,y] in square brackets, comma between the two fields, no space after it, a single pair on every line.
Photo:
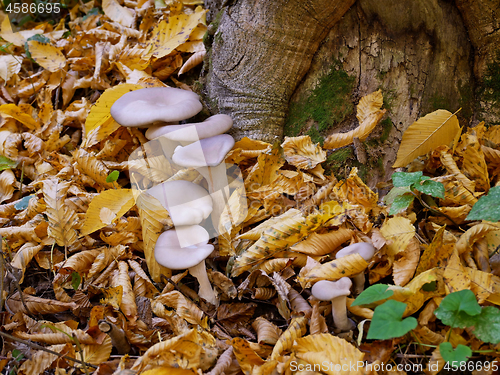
[474,234]
[398,231]
[326,349]
[167,36]
[474,164]
[127,304]
[296,329]
[349,265]
[169,371]
[7,180]
[99,123]
[369,115]
[9,65]
[322,244]
[99,353]
[62,219]
[255,233]
[118,13]
[13,111]
[425,134]
[279,236]
[116,201]
[265,170]
[302,153]
[247,357]
[405,265]
[19,38]
[152,215]
[47,56]
[93,167]
[112,296]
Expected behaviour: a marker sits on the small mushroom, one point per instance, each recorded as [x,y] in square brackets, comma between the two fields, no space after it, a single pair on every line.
[336,291]
[157,104]
[187,248]
[212,126]
[187,203]
[366,250]
[207,156]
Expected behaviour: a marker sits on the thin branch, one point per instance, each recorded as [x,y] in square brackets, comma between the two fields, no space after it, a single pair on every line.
[39,347]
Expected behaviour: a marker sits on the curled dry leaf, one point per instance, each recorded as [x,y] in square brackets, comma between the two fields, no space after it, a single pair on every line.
[296,329]
[37,305]
[369,115]
[267,332]
[302,153]
[193,61]
[344,267]
[41,360]
[322,244]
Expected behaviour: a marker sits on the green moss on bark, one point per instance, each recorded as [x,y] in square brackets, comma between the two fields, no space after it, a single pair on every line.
[328,104]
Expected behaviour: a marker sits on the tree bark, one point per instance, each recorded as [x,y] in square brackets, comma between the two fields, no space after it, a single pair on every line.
[261,49]
[423,54]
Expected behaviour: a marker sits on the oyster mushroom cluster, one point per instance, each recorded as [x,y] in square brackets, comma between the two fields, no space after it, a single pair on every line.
[202,146]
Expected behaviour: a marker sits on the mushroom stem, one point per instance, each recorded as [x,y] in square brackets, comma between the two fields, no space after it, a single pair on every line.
[206,292]
[339,313]
[359,283]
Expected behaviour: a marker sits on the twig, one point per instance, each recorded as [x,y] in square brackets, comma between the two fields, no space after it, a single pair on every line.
[39,347]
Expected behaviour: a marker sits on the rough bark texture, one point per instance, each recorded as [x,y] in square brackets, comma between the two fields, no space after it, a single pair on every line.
[261,50]
[416,51]
[482,20]
[423,54]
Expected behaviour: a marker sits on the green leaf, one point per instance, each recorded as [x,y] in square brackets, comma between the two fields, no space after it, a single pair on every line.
[487,207]
[487,325]
[76,280]
[23,203]
[457,309]
[401,203]
[401,179]
[388,322]
[113,176]
[394,193]
[460,354]
[17,355]
[372,294]
[429,187]
[92,12]
[6,163]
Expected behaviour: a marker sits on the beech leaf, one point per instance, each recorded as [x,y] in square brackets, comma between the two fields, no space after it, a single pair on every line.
[425,134]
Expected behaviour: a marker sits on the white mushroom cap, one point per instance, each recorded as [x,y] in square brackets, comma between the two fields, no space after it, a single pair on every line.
[170,254]
[208,152]
[325,290]
[149,105]
[214,125]
[365,249]
[187,203]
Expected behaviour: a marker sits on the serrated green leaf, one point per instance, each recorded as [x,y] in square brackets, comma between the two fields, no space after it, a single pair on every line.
[388,322]
[487,207]
[113,176]
[460,354]
[76,280]
[487,325]
[6,163]
[401,203]
[429,187]
[457,309]
[372,294]
[400,179]
[23,203]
